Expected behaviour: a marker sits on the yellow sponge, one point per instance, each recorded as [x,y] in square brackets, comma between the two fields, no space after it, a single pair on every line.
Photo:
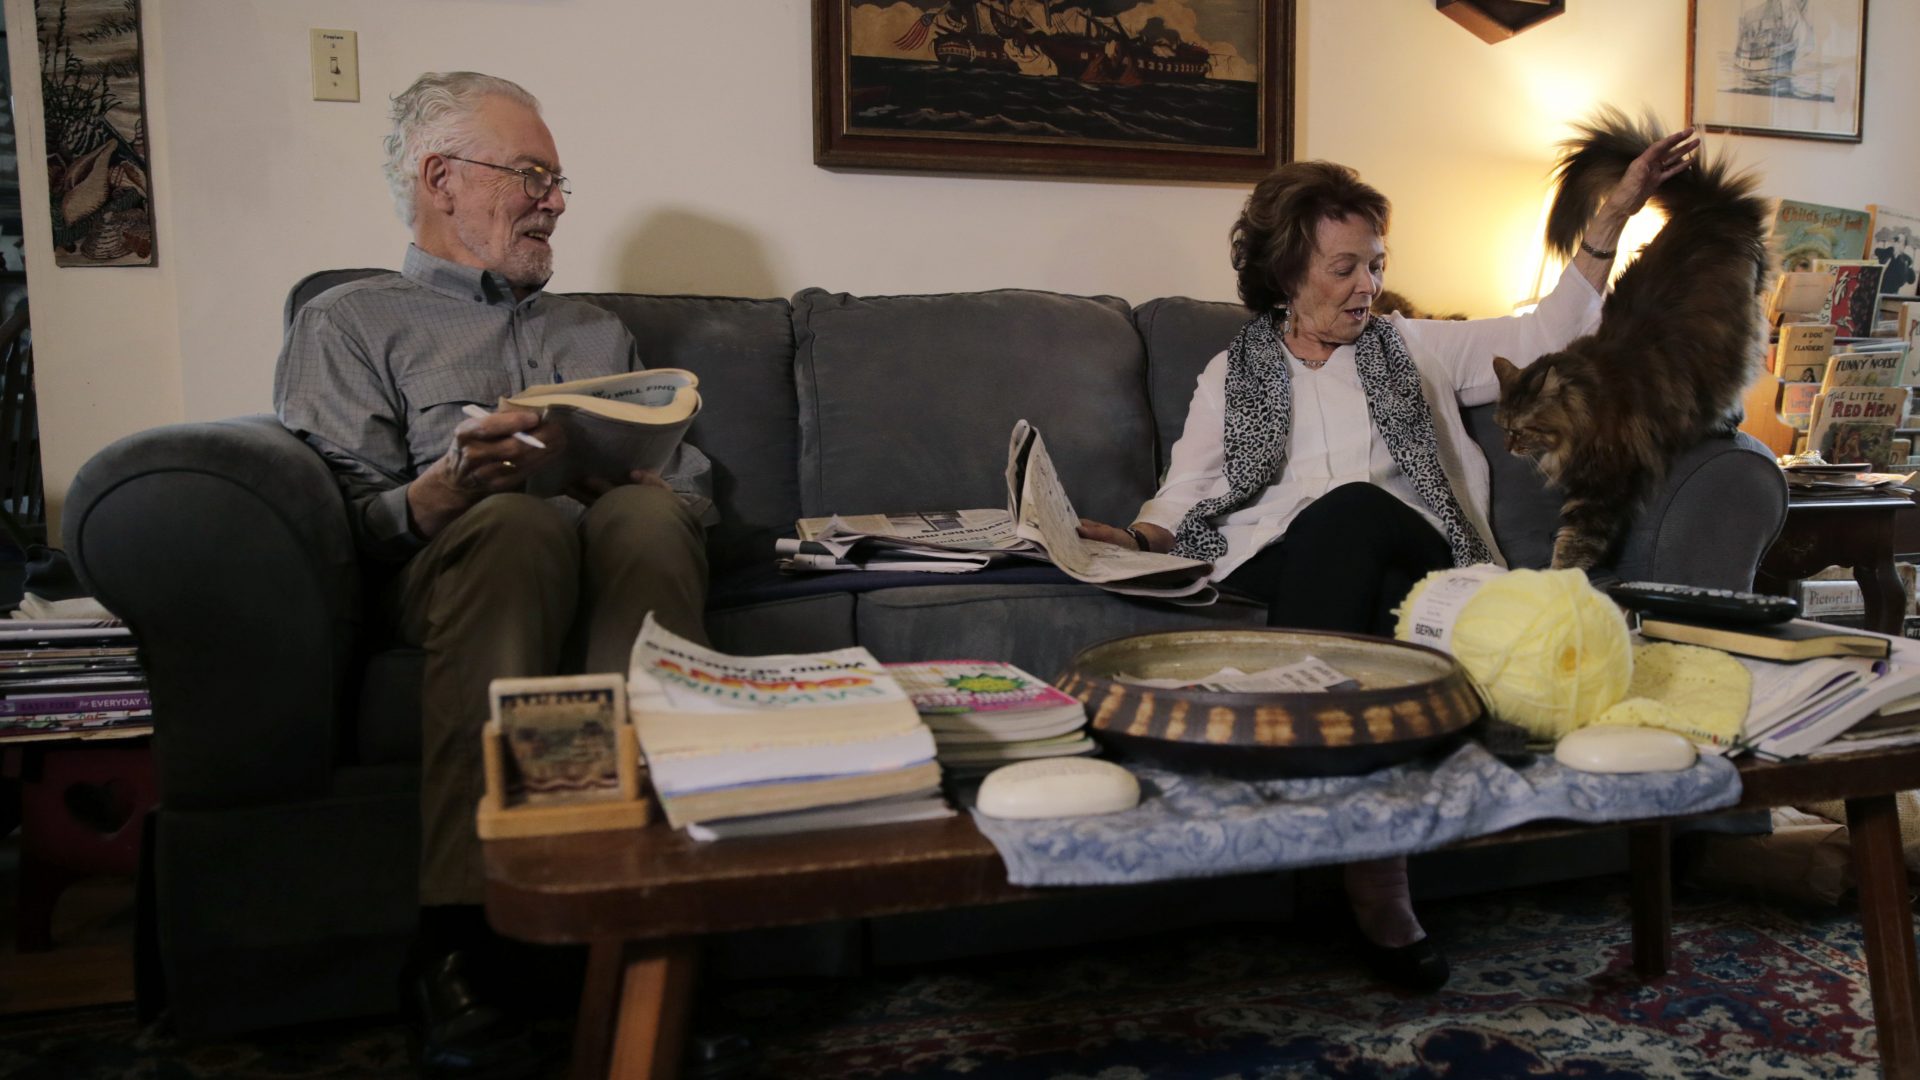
[1700,693]
[1549,649]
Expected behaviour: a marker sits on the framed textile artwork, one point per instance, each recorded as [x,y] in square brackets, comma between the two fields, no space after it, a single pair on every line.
[1788,68]
[96,124]
[1163,89]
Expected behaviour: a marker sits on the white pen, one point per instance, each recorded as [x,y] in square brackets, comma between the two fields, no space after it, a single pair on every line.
[479,413]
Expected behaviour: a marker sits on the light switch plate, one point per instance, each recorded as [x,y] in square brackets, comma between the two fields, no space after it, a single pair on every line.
[336,65]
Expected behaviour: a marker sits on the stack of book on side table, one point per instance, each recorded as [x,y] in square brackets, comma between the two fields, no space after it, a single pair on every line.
[985,713]
[762,745]
[66,678]
[1817,689]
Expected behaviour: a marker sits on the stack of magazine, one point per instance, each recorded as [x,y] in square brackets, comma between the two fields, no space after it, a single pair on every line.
[1038,524]
[986,713]
[65,678]
[760,745]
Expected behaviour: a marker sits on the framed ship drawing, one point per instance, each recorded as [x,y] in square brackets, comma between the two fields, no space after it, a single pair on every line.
[1160,89]
[1789,68]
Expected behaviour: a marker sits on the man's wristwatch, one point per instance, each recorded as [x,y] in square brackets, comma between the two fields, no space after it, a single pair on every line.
[1139,539]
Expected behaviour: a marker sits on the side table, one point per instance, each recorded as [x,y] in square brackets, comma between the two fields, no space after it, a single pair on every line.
[83,808]
[1842,532]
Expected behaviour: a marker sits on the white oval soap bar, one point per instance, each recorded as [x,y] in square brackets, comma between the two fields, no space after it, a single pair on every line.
[1058,787]
[1618,748]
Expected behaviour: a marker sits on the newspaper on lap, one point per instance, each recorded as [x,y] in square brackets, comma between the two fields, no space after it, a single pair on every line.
[1039,524]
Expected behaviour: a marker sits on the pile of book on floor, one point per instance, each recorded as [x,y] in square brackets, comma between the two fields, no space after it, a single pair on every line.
[68,675]
[1039,525]
[761,745]
[985,714]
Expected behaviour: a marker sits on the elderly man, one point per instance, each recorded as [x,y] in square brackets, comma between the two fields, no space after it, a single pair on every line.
[489,581]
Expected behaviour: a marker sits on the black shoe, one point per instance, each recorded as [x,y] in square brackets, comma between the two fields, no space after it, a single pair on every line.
[459,1035]
[1418,968]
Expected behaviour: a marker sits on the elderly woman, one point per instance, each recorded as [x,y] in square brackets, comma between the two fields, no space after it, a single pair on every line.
[1325,468]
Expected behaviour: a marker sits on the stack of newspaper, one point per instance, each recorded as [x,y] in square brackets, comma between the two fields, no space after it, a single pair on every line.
[986,713]
[1039,524]
[758,745]
[1846,482]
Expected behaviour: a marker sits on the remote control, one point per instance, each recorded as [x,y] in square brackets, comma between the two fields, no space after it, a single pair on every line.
[1692,603]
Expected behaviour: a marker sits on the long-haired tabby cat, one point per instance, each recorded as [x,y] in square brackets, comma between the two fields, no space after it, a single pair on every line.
[1678,339]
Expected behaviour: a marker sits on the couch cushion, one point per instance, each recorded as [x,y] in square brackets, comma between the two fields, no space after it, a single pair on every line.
[1038,627]
[906,401]
[388,727]
[1181,335]
[1526,511]
[743,352]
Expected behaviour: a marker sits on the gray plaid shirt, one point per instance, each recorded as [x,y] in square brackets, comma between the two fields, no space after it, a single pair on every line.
[373,375]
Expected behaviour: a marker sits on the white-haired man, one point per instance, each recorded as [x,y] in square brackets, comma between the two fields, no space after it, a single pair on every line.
[487,580]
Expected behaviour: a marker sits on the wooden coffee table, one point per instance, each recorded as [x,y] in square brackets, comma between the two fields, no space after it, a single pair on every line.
[640,900]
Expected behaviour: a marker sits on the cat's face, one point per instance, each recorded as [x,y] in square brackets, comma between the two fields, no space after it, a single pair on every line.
[1534,411]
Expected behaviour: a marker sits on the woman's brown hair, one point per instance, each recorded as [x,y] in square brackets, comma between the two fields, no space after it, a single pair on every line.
[1273,239]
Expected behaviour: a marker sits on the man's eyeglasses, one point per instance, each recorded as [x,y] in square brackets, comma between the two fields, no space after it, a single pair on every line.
[536,180]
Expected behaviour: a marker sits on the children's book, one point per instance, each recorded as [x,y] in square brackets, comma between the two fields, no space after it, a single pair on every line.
[1878,368]
[1803,350]
[1894,241]
[1803,232]
[1796,404]
[1854,300]
[1855,423]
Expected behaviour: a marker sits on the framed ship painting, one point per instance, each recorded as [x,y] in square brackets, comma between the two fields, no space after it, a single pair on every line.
[1790,68]
[1161,89]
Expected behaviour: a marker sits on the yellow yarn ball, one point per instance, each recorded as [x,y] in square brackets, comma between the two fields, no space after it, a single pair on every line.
[1551,652]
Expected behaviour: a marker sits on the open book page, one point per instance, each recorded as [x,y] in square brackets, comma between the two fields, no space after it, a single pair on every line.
[614,424]
[1044,514]
[647,396]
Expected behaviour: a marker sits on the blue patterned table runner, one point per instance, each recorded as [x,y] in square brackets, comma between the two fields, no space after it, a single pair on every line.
[1190,826]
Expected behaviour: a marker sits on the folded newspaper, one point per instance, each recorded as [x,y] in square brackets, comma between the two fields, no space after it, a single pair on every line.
[1039,524]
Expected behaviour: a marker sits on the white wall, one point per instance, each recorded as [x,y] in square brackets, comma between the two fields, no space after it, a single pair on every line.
[687,130]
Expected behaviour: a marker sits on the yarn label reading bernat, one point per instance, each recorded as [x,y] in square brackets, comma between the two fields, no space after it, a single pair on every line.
[1439,603]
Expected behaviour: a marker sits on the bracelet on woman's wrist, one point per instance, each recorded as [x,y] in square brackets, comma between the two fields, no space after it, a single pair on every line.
[1596,252]
[1139,539]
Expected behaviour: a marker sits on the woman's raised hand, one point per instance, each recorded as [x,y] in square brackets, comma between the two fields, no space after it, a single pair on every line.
[1658,163]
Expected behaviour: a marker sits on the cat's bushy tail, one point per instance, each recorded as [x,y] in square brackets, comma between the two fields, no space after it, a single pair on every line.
[1591,164]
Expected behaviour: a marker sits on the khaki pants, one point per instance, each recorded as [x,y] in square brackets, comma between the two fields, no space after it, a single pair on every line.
[517,586]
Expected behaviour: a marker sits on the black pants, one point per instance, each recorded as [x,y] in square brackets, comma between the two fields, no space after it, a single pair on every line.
[1344,564]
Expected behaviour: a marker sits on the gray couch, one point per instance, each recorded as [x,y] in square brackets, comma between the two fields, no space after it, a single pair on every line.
[281,880]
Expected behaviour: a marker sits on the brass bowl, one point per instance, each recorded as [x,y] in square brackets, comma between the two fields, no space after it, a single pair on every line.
[1411,699]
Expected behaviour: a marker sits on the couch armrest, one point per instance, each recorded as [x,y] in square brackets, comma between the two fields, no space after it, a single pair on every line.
[225,547]
[1724,502]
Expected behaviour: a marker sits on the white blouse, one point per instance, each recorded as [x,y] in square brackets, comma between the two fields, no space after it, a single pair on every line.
[1334,442]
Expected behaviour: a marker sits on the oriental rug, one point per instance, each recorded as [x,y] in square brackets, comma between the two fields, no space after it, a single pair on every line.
[1543,986]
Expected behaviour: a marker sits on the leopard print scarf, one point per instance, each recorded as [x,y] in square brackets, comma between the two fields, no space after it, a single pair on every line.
[1259,418]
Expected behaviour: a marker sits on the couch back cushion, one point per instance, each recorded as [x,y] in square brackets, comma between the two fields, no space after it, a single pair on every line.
[906,402]
[1181,335]
[743,352]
